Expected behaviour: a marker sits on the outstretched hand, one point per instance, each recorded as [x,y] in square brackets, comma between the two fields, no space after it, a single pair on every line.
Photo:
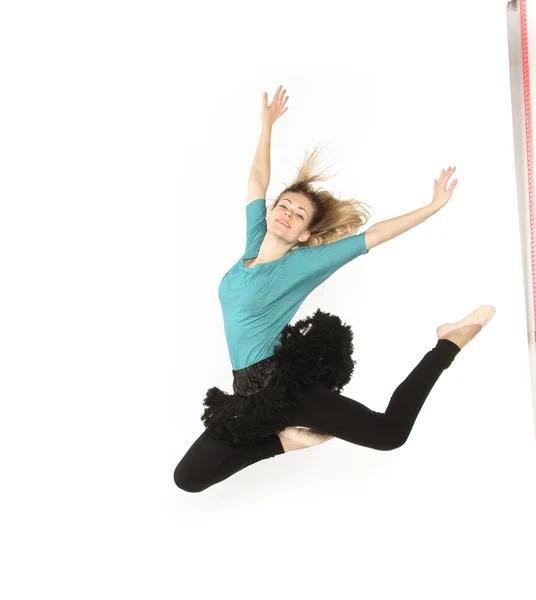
[442,194]
[270,114]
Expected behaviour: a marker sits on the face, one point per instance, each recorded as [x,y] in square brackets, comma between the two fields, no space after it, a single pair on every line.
[297,212]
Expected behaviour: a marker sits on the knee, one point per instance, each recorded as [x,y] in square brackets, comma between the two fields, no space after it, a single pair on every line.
[186,481]
[392,445]
[394,440]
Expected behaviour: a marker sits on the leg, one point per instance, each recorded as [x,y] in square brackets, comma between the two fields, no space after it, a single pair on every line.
[209,461]
[335,414]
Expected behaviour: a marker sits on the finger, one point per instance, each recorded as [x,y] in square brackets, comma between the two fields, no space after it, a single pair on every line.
[276,94]
[284,102]
[448,174]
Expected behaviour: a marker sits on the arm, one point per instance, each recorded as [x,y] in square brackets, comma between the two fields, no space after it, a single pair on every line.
[260,170]
[259,177]
[387,230]
[255,223]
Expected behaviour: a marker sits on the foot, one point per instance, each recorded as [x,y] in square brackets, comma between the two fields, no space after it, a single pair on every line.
[462,336]
[298,438]
[462,332]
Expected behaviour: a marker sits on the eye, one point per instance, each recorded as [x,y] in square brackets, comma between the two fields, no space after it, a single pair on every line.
[298,214]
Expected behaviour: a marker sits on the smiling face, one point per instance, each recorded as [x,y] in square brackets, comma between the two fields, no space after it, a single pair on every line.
[291,217]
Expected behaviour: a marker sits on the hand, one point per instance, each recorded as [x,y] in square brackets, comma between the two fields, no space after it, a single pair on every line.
[270,114]
[441,194]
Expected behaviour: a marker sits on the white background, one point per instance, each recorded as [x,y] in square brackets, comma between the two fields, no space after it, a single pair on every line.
[127,135]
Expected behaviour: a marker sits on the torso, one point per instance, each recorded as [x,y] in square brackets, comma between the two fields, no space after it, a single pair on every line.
[250,262]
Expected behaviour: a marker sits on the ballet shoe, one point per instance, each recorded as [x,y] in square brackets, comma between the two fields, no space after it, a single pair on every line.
[480,316]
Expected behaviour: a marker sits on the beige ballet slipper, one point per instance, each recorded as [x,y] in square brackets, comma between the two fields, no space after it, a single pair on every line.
[480,316]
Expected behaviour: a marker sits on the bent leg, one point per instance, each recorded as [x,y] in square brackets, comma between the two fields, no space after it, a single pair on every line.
[334,414]
[209,461]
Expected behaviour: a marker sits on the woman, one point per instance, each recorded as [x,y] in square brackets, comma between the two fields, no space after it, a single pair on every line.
[287,379]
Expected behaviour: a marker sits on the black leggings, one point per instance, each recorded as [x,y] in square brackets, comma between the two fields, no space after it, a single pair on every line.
[209,461]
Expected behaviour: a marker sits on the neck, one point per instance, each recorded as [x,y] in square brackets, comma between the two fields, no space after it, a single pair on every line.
[272,248]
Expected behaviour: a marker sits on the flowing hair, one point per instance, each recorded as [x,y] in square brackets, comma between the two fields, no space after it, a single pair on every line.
[333,218]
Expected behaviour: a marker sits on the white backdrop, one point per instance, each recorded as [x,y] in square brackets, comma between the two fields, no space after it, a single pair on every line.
[128,131]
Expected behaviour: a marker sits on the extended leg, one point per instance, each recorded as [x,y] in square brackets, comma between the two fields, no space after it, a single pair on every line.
[347,419]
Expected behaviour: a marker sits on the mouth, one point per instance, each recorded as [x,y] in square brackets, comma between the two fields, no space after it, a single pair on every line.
[283,223]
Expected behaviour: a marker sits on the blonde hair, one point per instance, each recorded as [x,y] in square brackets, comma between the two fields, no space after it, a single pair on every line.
[333,218]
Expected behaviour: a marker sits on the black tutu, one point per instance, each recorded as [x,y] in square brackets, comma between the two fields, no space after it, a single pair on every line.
[315,350]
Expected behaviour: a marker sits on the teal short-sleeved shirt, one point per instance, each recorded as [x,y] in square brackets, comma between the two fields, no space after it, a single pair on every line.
[258,302]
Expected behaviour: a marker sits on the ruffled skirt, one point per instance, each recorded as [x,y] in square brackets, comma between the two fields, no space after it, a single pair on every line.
[315,350]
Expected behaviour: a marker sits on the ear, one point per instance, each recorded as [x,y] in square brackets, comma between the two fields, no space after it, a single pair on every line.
[304,236]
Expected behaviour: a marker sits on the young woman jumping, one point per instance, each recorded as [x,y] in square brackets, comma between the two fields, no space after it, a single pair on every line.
[287,379]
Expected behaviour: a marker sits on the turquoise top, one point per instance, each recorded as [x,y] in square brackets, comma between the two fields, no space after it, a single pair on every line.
[258,302]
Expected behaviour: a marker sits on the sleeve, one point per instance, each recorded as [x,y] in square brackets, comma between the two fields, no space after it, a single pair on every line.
[320,262]
[255,224]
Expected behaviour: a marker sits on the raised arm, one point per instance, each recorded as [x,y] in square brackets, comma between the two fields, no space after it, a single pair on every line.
[387,230]
[259,177]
